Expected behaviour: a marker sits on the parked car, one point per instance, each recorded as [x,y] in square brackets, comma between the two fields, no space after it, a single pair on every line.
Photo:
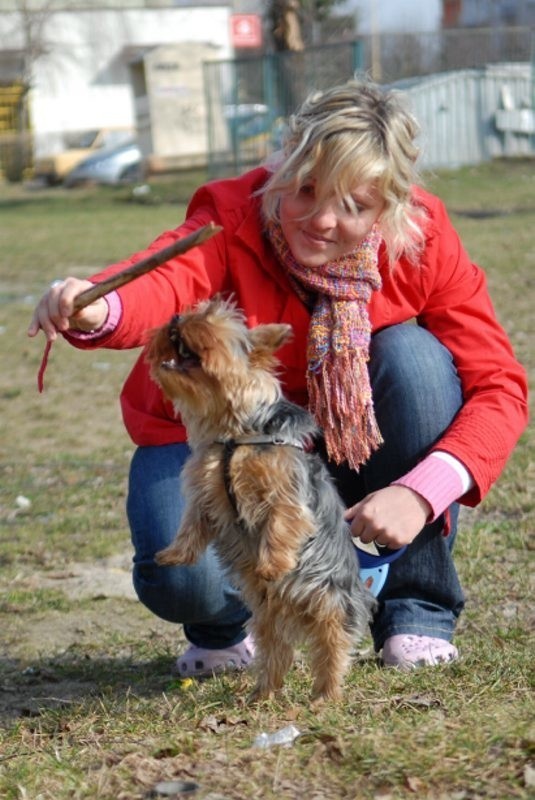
[111,165]
[54,168]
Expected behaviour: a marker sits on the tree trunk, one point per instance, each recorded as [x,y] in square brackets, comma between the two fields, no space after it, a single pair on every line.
[286,25]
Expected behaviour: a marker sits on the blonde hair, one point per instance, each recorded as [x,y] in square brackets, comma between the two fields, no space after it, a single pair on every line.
[344,137]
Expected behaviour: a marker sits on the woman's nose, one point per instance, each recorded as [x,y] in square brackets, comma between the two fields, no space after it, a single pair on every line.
[325,216]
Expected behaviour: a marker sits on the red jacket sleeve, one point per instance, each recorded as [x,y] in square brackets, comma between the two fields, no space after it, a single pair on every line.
[459,312]
[196,275]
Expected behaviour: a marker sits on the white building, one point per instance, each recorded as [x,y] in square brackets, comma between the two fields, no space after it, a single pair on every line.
[79,72]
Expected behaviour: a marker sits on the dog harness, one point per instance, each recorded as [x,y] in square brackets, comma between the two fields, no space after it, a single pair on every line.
[230,445]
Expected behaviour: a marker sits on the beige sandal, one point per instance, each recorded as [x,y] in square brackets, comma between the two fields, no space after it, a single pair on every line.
[407,651]
[201,662]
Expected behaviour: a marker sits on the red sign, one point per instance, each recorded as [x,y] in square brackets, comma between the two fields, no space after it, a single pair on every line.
[246,30]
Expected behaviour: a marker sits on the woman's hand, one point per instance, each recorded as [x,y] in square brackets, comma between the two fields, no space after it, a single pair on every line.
[392,517]
[54,311]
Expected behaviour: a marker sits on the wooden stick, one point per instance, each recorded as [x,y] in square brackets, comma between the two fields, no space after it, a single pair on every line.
[145,265]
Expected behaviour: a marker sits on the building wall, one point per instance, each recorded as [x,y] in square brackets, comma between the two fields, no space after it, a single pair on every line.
[81,81]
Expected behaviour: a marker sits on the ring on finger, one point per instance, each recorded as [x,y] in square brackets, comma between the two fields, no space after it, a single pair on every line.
[57,282]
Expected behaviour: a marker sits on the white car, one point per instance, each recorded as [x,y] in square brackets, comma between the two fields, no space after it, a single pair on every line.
[110,165]
[54,168]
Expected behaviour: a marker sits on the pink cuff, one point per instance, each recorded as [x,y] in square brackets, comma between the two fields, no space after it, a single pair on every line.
[436,481]
[115,310]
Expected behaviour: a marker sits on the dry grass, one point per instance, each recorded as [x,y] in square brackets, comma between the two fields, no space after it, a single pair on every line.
[88,707]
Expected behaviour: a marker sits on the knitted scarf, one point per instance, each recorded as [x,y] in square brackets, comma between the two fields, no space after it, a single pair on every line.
[339,390]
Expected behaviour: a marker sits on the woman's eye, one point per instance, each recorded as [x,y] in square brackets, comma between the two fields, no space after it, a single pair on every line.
[307,189]
[350,206]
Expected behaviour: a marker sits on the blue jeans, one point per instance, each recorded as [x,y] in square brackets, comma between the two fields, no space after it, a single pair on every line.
[416,394]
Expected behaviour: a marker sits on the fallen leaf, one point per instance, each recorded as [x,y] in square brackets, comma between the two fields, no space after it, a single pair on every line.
[416,701]
[332,746]
[529,775]
[148,771]
[383,793]
[220,724]
[414,784]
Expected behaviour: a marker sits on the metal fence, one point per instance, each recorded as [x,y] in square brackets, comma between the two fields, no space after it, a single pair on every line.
[248,100]
[469,116]
[392,56]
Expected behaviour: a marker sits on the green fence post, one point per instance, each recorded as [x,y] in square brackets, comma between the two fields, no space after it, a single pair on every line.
[358,56]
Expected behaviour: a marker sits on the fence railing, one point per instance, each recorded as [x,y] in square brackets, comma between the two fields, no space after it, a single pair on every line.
[392,56]
[248,99]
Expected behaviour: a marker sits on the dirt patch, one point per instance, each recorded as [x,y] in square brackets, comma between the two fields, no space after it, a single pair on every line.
[107,577]
[40,648]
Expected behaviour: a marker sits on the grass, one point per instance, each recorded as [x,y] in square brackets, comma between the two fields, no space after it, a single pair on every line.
[88,708]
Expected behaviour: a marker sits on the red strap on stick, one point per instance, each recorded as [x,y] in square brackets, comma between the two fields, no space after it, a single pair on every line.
[42,368]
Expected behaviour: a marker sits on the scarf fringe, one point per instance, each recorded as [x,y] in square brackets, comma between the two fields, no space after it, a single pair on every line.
[351,432]
[338,293]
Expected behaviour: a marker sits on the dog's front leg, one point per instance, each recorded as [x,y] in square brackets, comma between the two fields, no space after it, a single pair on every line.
[192,539]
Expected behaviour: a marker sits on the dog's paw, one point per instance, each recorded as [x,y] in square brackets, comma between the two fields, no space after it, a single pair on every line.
[259,695]
[322,695]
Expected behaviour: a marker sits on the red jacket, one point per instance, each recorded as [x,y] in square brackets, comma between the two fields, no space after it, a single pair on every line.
[446,294]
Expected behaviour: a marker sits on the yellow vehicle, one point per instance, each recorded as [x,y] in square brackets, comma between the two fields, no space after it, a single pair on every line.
[54,168]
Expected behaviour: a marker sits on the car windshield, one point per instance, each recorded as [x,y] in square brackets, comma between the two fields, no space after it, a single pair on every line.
[81,140]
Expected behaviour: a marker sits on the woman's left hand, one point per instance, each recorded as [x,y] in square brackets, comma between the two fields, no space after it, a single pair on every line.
[392,517]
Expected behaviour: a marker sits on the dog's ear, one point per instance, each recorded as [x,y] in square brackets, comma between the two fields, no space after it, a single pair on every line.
[268,338]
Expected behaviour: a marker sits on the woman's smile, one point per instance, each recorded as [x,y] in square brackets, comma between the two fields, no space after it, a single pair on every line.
[317,233]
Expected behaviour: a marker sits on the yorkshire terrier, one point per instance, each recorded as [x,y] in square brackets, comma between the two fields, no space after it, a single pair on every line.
[255,489]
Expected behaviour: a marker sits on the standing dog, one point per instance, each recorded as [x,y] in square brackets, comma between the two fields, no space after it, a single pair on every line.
[254,490]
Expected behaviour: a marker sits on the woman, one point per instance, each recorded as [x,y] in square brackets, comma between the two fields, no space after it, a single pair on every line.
[335,238]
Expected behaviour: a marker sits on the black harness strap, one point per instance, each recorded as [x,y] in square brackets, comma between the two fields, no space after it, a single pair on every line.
[228,451]
[229,447]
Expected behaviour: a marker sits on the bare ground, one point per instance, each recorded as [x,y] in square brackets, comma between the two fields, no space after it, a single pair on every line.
[34,644]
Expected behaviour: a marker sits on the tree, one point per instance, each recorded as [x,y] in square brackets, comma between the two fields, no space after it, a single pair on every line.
[287,17]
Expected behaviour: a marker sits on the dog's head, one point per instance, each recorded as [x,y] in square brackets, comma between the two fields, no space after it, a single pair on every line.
[215,369]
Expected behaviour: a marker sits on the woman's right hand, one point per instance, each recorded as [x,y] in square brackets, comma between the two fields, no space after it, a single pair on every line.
[54,311]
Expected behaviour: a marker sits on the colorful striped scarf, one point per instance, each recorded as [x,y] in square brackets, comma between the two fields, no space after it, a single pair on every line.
[339,391]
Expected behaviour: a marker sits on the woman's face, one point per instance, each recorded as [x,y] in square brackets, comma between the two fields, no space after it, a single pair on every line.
[332,230]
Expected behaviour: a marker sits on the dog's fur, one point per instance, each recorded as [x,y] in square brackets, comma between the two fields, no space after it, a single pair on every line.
[270,509]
